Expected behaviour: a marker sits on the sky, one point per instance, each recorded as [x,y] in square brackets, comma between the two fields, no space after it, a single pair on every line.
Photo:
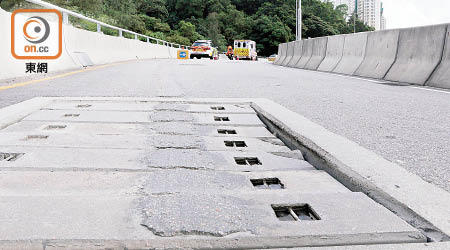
[411,13]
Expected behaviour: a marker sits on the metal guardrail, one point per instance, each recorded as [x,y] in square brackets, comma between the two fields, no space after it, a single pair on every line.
[66,13]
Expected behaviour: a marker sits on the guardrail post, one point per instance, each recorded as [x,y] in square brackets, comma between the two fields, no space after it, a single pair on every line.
[135,37]
[120,33]
[99,28]
[148,39]
[65,18]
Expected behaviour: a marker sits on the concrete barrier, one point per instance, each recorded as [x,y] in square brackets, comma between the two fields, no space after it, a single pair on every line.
[277,60]
[297,53]
[441,77]
[289,53]
[381,52]
[419,53]
[307,50]
[335,48]
[282,54]
[80,48]
[318,53]
[353,55]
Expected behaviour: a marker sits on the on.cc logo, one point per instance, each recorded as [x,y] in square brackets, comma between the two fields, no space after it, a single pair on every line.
[36,30]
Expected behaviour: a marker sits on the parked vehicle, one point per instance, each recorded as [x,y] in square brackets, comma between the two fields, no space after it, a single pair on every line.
[203,49]
[272,58]
[245,50]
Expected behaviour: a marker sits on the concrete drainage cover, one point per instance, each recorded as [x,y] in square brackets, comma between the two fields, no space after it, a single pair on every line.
[177,173]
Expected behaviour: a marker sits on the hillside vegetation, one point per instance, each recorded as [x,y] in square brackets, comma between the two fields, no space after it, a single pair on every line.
[268,22]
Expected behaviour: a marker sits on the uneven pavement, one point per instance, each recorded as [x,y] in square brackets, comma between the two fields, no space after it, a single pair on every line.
[174,174]
[406,125]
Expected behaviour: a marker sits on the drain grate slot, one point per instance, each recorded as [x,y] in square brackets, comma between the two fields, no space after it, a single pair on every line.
[55,127]
[10,156]
[267,183]
[84,106]
[71,115]
[235,144]
[217,108]
[247,161]
[302,212]
[36,137]
[221,119]
[227,131]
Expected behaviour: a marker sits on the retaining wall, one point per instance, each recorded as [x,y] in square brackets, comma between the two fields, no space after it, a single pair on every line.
[335,47]
[381,52]
[353,55]
[290,54]
[419,53]
[307,50]
[297,53]
[318,54]
[441,77]
[94,47]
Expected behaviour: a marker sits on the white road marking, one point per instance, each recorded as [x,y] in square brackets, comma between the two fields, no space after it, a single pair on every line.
[354,77]
[434,90]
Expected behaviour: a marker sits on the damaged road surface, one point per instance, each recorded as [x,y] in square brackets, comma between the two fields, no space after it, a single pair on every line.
[166,173]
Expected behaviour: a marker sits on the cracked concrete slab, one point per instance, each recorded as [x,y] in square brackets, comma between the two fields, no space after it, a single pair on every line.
[150,106]
[173,128]
[171,174]
[134,159]
[159,182]
[239,216]
[220,215]
[143,117]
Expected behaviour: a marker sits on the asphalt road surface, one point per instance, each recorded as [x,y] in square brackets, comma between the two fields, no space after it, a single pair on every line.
[406,125]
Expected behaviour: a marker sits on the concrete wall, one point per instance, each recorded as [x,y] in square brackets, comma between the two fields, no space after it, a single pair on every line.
[318,54]
[290,54]
[441,77]
[381,53]
[99,48]
[280,51]
[306,54]
[297,53]
[282,54]
[335,47]
[419,53]
[353,55]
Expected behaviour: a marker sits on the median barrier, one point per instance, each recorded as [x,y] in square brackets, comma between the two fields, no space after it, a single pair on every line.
[318,53]
[277,60]
[297,53]
[282,48]
[335,47]
[441,77]
[353,54]
[419,53]
[307,50]
[381,52]
[289,53]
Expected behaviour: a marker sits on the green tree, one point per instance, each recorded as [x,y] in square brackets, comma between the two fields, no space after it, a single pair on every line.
[187,29]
